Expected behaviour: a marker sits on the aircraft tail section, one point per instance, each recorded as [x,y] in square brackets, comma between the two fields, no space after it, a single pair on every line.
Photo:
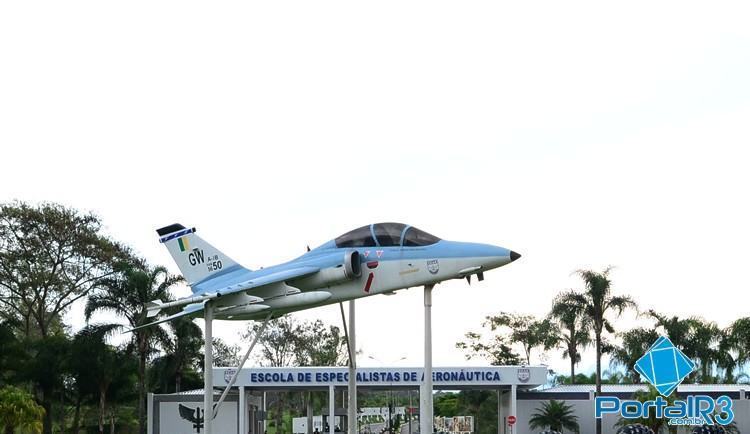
[196,259]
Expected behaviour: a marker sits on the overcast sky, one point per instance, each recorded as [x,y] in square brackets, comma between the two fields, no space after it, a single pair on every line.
[578,134]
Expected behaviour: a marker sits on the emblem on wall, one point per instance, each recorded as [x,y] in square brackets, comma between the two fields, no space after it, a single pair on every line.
[193,416]
[524,374]
[228,374]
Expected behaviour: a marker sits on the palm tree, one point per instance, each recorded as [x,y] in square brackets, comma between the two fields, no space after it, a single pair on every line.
[677,329]
[126,294]
[635,343]
[102,362]
[698,339]
[575,330]
[596,301]
[705,339]
[556,416]
[18,410]
[737,340]
[182,355]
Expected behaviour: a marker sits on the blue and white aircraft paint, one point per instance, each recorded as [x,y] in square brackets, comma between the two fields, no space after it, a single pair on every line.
[376,259]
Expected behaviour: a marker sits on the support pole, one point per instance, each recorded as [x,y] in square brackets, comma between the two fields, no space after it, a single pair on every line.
[513,407]
[265,413]
[242,363]
[243,411]
[331,409]
[208,369]
[425,408]
[411,414]
[352,410]
[500,421]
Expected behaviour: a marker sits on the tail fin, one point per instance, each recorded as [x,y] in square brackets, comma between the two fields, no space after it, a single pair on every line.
[196,259]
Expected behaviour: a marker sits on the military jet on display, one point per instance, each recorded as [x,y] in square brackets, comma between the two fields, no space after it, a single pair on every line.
[376,259]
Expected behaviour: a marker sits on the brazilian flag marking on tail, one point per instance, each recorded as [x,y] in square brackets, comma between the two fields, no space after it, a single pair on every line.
[183,242]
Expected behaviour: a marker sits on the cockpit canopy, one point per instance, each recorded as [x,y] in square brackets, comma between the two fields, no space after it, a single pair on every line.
[385,235]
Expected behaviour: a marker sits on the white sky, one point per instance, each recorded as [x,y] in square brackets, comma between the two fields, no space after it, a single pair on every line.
[578,134]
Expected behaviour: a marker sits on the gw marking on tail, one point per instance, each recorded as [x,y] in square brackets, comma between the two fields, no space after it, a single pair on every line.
[196,257]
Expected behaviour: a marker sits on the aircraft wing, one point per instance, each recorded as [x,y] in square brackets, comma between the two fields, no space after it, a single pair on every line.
[267,279]
[195,303]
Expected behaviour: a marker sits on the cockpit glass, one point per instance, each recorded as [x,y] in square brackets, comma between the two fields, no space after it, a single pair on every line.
[360,237]
[388,234]
[417,237]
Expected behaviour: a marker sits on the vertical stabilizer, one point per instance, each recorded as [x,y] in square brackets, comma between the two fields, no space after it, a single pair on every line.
[196,259]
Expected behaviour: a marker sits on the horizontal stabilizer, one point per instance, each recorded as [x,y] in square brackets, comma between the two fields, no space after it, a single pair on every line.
[192,310]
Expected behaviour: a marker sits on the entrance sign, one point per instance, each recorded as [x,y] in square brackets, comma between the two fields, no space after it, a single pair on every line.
[488,376]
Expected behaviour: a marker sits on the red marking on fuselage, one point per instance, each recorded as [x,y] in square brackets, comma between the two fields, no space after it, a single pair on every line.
[369,282]
[372,264]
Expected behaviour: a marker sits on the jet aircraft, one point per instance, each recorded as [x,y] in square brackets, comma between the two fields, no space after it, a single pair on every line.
[375,259]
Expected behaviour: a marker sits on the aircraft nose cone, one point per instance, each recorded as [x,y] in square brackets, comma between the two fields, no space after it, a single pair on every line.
[514,256]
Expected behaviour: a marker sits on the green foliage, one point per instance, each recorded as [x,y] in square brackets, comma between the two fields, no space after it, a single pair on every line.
[574,329]
[595,303]
[287,341]
[317,344]
[13,355]
[446,405]
[635,343]
[50,256]
[556,416]
[704,342]
[126,293]
[183,355]
[19,411]
[496,350]
[525,330]
[482,404]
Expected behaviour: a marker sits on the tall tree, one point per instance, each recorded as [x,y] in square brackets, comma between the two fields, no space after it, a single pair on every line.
[737,340]
[597,302]
[46,369]
[225,354]
[699,339]
[319,345]
[635,343]
[277,344]
[677,329]
[526,330]
[289,341]
[50,257]
[126,294]
[575,330]
[705,340]
[182,355]
[13,354]
[497,350]
[102,362]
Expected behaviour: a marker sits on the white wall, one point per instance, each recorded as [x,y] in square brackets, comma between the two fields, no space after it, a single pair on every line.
[170,421]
